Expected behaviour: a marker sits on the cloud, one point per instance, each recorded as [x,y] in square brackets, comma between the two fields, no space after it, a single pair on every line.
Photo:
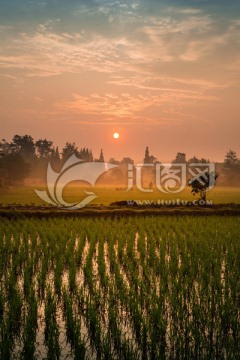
[186,35]
[115,105]
[130,37]
[159,41]
[162,62]
[130,106]
[5,28]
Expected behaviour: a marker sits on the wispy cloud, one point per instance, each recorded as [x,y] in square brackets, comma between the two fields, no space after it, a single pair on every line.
[128,62]
[130,106]
[155,40]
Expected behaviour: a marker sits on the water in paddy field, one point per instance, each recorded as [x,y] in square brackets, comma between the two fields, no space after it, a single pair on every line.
[120,289]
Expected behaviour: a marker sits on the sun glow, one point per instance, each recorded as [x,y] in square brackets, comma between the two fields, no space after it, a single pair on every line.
[116,135]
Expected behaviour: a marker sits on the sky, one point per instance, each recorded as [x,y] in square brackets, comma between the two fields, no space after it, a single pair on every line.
[161,73]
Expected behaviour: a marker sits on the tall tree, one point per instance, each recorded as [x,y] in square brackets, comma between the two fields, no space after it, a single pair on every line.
[231,161]
[44,148]
[148,159]
[101,157]
[180,158]
[55,154]
[201,183]
[68,150]
[86,155]
[231,168]
[24,146]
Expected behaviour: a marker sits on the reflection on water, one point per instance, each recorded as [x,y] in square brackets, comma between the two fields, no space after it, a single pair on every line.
[118,296]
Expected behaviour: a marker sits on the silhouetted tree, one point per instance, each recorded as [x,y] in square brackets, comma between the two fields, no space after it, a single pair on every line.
[231,168]
[195,160]
[55,155]
[68,150]
[180,158]
[44,148]
[127,160]
[5,147]
[86,155]
[101,157]
[201,183]
[24,146]
[55,159]
[148,159]
[90,155]
[231,161]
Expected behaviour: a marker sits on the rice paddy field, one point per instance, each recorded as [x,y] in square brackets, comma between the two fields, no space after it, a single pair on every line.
[136,287]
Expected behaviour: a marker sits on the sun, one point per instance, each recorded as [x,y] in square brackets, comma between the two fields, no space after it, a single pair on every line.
[116,135]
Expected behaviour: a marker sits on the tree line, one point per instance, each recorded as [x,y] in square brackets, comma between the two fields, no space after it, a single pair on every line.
[23,157]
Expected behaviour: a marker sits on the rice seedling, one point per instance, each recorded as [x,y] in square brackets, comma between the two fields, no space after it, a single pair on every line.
[51,329]
[143,287]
